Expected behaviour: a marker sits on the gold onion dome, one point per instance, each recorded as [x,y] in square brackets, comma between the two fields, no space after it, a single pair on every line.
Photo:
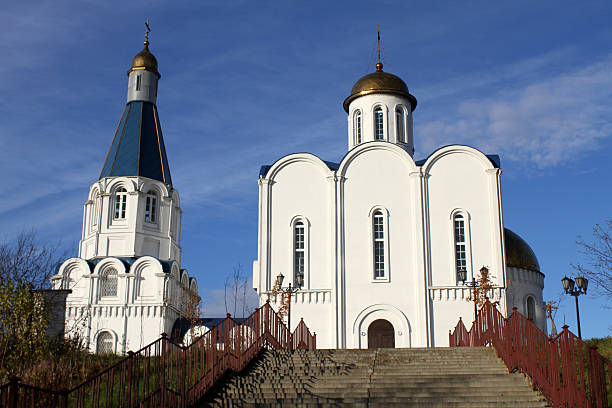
[518,252]
[145,60]
[379,82]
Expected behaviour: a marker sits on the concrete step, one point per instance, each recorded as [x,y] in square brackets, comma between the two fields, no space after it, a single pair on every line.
[448,377]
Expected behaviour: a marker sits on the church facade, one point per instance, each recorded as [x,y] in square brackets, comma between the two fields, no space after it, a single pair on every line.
[127,285]
[381,240]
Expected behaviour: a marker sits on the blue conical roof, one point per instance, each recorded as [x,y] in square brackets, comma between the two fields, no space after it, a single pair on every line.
[138,146]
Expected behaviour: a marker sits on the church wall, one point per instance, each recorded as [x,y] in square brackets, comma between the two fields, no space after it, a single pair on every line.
[372,183]
[524,283]
[458,183]
[132,236]
[301,191]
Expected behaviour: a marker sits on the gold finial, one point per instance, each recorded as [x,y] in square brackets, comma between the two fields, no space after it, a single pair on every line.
[379,64]
[147,31]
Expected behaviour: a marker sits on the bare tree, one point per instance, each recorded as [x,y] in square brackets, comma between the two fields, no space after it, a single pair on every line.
[238,297]
[598,252]
[27,260]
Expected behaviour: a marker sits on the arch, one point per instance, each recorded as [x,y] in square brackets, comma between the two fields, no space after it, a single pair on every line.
[457,149]
[530,308]
[378,218]
[376,145]
[381,334]
[193,285]
[357,126]
[401,134]
[151,210]
[67,275]
[106,341]
[119,182]
[161,188]
[461,242]
[380,117]
[106,264]
[299,236]
[146,269]
[298,158]
[109,282]
[392,314]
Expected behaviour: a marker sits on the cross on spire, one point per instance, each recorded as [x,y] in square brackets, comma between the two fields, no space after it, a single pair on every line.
[148,30]
[379,64]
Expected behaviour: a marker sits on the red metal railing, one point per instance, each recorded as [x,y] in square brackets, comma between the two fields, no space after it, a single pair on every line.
[565,369]
[166,374]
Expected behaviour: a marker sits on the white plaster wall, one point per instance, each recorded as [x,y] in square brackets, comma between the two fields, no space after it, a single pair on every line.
[148,86]
[308,199]
[141,311]
[521,284]
[132,236]
[379,178]
[389,103]
[458,181]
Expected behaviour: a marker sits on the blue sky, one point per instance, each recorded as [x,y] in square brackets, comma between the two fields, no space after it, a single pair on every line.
[244,83]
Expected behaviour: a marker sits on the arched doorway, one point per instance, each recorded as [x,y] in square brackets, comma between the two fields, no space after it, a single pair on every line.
[381,334]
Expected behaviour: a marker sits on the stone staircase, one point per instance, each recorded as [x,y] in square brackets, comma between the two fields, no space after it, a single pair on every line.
[426,377]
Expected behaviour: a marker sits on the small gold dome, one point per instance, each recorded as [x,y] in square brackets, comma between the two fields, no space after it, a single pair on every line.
[145,60]
[518,253]
[379,82]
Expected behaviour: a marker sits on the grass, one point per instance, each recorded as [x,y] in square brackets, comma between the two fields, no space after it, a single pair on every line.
[604,346]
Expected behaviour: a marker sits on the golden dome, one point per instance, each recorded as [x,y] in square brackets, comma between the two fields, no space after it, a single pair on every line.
[145,60]
[379,82]
[518,253]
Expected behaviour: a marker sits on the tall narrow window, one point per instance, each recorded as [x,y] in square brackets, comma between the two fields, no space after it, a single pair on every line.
[399,125]
[379,133]
[298,248]
[531,310]
[357,127]
[378,233]
[94,212]
[460,254]
[106,344]
[138,82]
[108,282]
[120,203]
[151,207]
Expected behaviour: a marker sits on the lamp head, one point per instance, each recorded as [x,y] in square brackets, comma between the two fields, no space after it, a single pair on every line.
[280,279]
[462,275]
[582,283]
[568,284]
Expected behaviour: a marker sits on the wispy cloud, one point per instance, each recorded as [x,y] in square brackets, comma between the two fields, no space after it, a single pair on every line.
[541,124]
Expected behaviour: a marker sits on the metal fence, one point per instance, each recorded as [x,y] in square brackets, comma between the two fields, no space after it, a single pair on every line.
[166,374]
[564,368]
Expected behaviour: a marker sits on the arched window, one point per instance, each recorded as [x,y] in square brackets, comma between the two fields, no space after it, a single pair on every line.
[138,82]
[105,344]
[120,203]
[298,249]
[94,210]
[151,207]
[379,133]
[460,252]
[108,282]
[378,233]
[399,125]
[531,309]
[357,126]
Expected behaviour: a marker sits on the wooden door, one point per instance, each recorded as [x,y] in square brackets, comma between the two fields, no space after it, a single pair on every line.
[381,334]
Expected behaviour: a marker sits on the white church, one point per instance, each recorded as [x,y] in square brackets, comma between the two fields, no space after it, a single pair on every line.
[127,283]
[380,240]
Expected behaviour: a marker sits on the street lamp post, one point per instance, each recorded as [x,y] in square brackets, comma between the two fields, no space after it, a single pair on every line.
[575,289]
[299,280]
[473,284]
